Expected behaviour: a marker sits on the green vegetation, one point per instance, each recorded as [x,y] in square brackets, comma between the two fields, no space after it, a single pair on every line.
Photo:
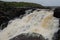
[8,5]
[19,4]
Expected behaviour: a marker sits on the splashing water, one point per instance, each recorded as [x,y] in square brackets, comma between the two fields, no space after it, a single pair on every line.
[41,22]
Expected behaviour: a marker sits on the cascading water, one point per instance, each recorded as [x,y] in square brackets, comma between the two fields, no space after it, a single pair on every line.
[39,21]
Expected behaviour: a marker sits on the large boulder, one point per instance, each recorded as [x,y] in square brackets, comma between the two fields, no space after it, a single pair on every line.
[57,12]
[28,36]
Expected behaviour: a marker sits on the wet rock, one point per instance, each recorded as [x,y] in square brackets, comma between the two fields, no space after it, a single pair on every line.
[10,14]
[57,35]
[27,36]
[57,12]
[3,20]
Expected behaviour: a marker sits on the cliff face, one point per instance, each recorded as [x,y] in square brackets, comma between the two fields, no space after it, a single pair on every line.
[12,13]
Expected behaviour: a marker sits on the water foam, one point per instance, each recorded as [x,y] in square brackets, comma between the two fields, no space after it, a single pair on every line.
[41,22]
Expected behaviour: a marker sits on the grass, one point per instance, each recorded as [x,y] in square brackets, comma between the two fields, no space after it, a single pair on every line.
[19,4]
[8,5]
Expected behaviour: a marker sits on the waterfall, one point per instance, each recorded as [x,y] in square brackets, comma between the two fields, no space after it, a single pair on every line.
[39,21]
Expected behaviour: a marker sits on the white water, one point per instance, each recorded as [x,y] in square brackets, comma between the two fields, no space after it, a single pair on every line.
[41,22]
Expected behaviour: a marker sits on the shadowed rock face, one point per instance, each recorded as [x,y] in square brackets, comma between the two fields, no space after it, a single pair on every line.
[12,13]
[3,20]
[57,35]
[27,36]
[57,12]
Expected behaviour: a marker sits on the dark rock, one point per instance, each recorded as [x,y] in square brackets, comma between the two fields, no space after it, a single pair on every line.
[3,20]
[27,36]
[10,14]
[57,12]
[57,35]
